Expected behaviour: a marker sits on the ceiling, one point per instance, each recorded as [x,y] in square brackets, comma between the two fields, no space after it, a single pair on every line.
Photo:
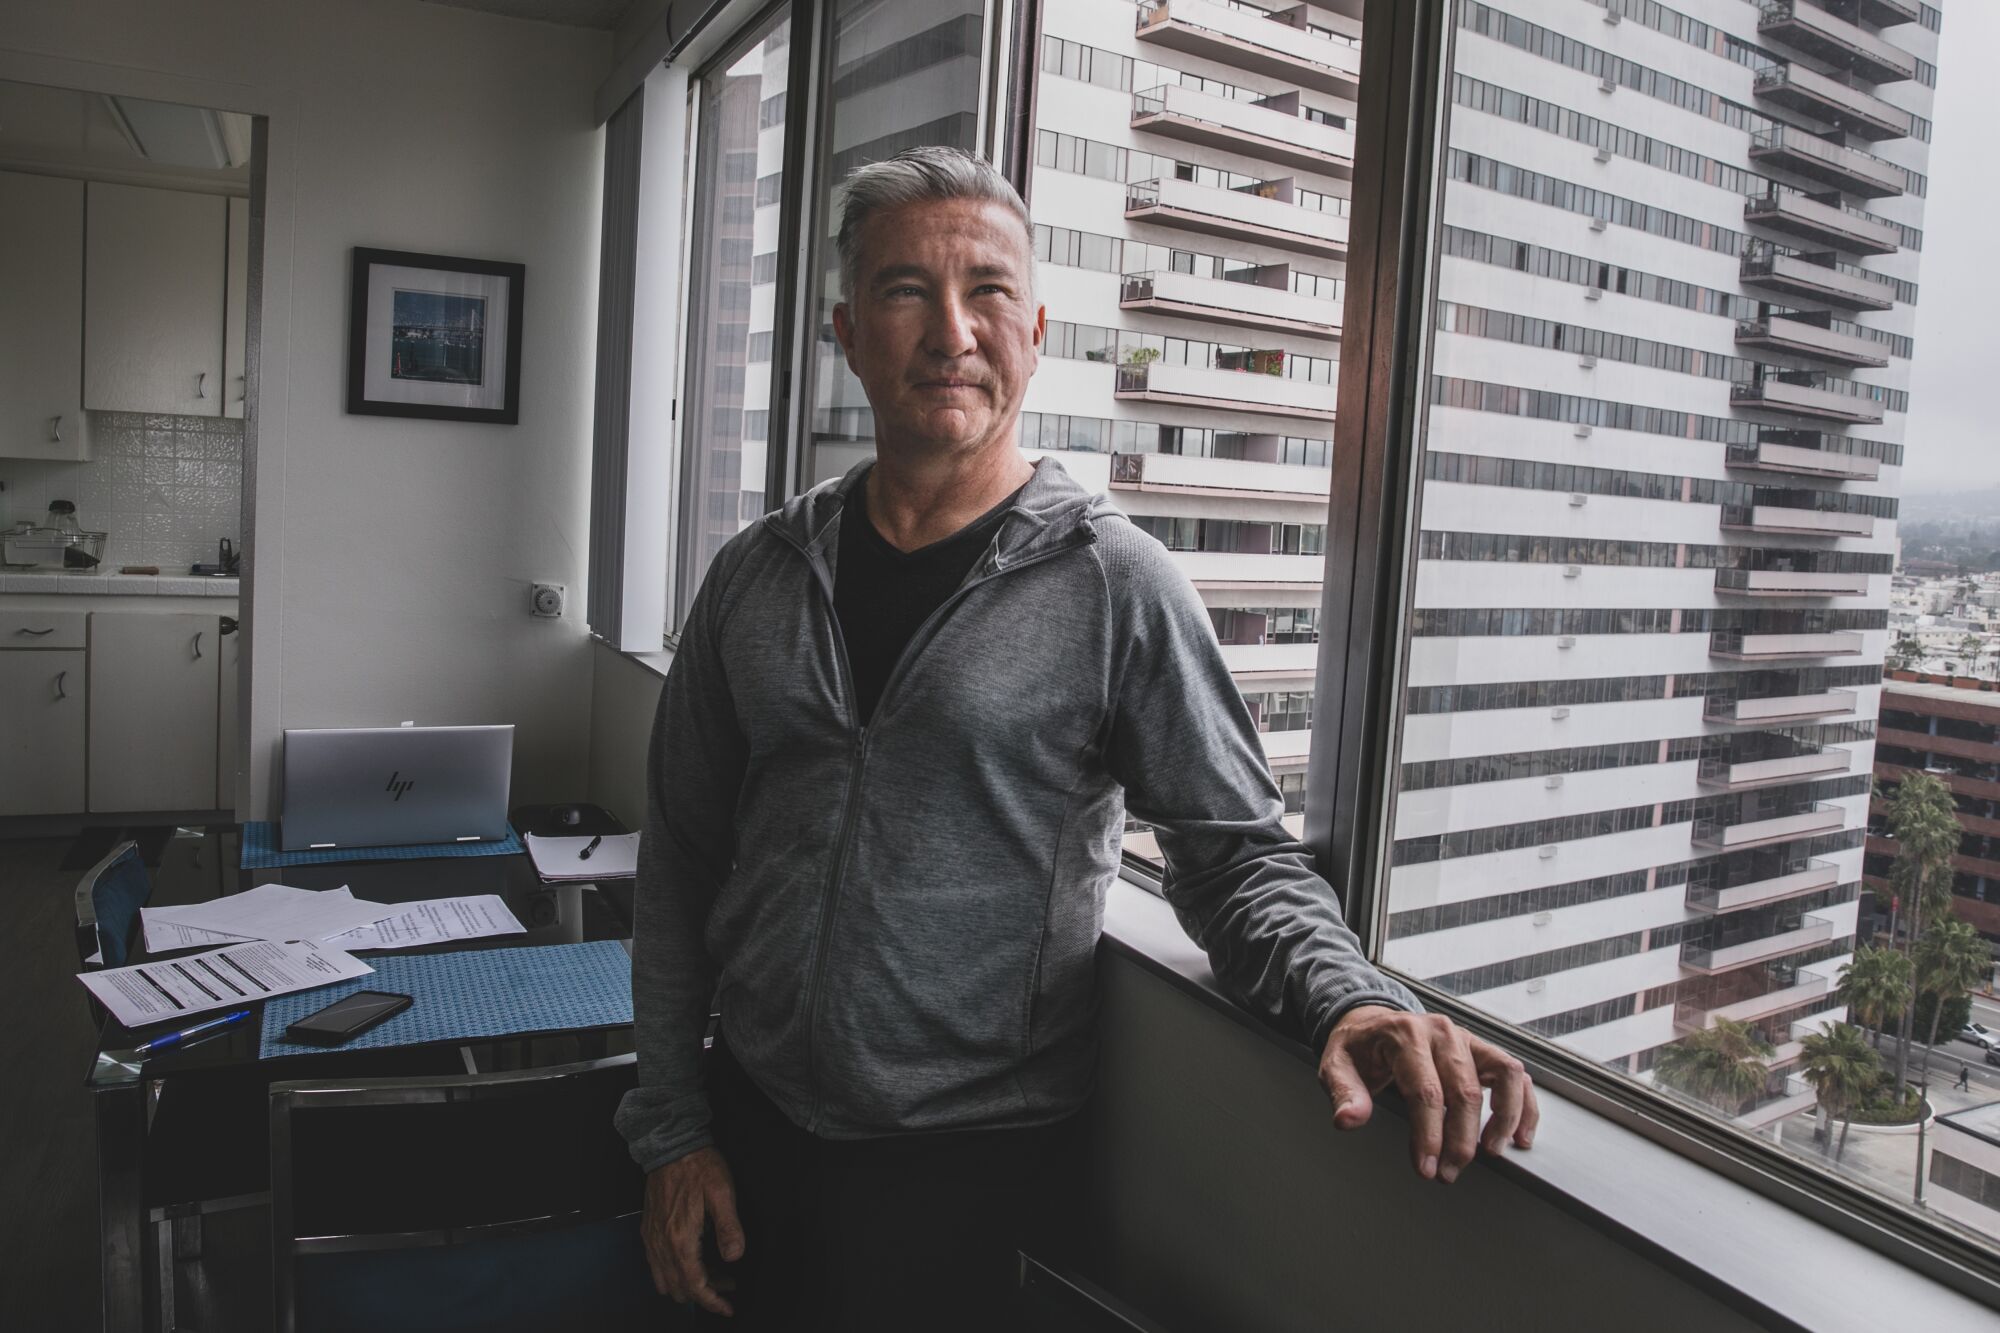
[72,132]
[602,14]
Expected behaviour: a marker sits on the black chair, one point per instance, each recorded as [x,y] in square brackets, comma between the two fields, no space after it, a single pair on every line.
[484,1201]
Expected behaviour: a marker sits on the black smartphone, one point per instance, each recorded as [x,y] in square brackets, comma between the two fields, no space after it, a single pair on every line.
[342,1019]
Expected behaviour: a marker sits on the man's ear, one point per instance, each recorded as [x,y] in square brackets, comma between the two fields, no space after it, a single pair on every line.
[843,331]
[1041,328]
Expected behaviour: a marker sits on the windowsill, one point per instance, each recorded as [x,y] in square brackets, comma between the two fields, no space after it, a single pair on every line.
[655,662]
[1753,1253]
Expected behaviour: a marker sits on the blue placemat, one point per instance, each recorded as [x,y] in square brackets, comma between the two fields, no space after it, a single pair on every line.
[261,851]
[475,994]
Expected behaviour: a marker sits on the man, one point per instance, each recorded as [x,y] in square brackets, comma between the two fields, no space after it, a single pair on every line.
[887,785]
[1964,1083]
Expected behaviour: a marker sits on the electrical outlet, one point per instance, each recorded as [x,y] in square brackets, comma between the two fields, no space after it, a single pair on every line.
[546,600]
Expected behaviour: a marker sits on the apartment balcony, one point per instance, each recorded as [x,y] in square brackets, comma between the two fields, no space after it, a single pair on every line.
[1804,26]
[1797,1097]
[1797,522]
[1182,474]
[1881,13]
[1263,663]
[1737,833]
[1244,215]
[1803,337]
[1788,583]
[1821,219]
[1243,305]
[1818,277]
[1790,883]
[1264,44]
[1231,390]
[1698,958]
[1273,131]
[1249,571]
[1737,646]
[1721,773]
[1690,1015]
[1820,159]
[1729,711]
[1801,461]
[1861,114]
[1798,393]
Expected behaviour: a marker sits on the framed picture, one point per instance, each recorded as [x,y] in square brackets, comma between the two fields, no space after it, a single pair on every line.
[433,336]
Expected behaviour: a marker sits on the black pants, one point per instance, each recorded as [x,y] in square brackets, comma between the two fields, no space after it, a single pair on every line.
[905,1232]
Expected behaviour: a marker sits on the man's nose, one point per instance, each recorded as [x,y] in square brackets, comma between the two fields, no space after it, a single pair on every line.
[950,330]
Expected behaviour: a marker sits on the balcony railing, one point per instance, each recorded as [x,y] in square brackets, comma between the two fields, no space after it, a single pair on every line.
[1724,773]
[1275,133]
[1806,27]
[1797,522]
[1822,219]
[1264,44]
[1244,305]
[1184,474]
[1800,461]
[1804,338]
[1859,113]
[1240,214]
[1726,709]
[1789,583]
[1233,390]
[1830,163]
[1793,879]
[1692,1014]
[1809,931]
[1817,277]
[1737,830]
[1736,644]
[1802,394]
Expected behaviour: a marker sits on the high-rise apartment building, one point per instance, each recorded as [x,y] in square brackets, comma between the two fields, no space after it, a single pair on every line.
[1670,359]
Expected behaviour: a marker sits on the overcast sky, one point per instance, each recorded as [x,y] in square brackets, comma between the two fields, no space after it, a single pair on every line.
[1953,439]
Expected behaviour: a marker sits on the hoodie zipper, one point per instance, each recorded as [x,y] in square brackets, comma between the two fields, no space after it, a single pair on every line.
[830,895]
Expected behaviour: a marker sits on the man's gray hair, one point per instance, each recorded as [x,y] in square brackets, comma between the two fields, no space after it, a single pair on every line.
[918,175]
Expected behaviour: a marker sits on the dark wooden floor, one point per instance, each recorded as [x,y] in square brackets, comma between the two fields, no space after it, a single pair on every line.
[48,1171]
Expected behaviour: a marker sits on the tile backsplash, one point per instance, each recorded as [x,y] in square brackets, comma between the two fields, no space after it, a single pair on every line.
[164,488]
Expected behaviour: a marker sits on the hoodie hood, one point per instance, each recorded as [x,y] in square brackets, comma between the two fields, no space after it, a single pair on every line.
[1051,513]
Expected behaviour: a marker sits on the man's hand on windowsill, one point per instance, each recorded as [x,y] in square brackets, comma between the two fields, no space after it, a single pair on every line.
[1440,1069]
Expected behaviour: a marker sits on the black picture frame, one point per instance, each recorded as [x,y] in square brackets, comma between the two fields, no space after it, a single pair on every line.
[462,364]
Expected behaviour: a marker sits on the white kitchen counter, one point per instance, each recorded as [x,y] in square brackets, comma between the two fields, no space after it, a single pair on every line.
[75,583]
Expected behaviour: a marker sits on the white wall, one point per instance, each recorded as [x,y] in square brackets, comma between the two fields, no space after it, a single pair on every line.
[389,568]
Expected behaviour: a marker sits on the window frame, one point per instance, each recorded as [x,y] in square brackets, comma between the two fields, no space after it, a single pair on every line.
[1404,111]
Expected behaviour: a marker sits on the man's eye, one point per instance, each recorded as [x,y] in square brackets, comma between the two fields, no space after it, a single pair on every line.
[904,291]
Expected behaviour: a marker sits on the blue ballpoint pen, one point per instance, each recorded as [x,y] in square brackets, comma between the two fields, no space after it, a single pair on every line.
[168,1040]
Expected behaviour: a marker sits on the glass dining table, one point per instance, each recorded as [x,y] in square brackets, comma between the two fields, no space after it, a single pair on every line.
[158,1162]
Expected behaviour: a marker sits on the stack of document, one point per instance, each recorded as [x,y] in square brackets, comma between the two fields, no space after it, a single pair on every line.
[334,917]
[614,856]
[277,939]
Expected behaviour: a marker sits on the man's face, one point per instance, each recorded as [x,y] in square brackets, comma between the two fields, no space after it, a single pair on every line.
[943,329]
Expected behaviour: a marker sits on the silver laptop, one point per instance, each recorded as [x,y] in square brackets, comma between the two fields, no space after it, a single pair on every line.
[394,786]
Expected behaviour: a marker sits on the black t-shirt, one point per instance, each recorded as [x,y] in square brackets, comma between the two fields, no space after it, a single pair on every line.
[882,595]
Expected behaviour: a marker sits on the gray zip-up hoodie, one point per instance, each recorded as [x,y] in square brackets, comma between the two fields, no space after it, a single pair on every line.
[899,922]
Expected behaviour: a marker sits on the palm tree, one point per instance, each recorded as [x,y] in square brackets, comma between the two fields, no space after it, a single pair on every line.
[1951,960]
[1924,821]
[1721,1065]
[1843,1069]
[1876,985]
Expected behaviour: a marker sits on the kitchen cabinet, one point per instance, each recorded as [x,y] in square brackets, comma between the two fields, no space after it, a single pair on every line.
[154,681]
[235,316]
[42,691]
[41,318]
[154,300]
[231,646]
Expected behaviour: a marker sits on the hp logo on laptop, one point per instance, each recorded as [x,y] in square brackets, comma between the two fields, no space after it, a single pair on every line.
[399,787]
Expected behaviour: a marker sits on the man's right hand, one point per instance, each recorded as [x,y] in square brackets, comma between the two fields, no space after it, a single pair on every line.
[679,1197]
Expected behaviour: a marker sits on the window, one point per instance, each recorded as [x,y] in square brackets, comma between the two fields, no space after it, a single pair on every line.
[1628,794]
[896,85]
[722,465]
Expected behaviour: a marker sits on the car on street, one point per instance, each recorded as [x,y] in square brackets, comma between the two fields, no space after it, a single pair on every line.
[1979,1035]
[1992,1056]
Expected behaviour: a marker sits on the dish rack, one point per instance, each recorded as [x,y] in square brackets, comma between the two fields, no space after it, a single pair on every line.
[51,548]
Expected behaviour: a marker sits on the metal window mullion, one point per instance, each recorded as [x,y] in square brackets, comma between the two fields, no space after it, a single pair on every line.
[1398,114]
[795,300]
